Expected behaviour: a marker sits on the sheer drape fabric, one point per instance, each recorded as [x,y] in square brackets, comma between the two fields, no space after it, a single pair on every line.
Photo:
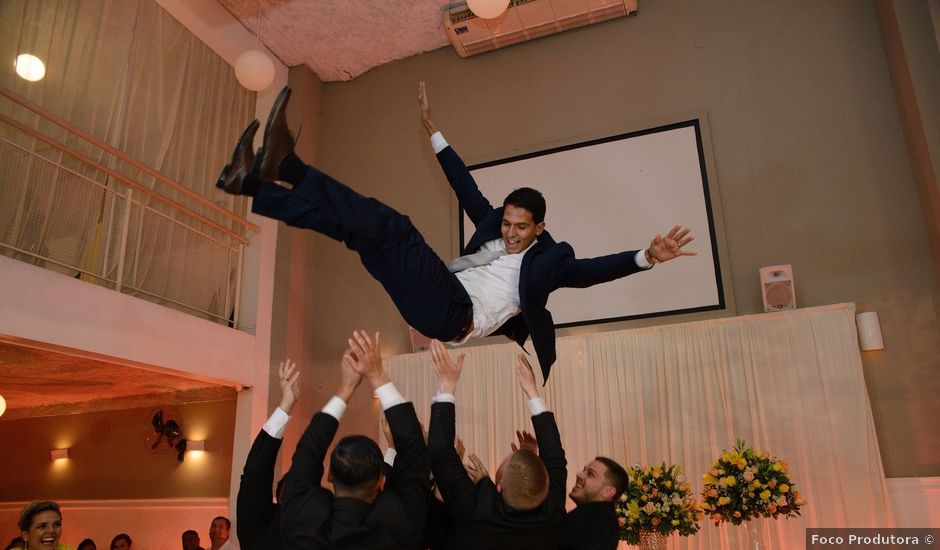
[128,73]
[790,383]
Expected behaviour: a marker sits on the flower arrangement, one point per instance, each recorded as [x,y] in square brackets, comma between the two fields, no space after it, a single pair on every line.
[745,484]
[657,499]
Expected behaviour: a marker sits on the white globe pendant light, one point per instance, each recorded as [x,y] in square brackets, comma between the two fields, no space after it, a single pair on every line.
[488,9]
[254,70]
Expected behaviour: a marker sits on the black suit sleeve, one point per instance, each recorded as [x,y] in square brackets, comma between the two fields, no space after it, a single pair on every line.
[463,184]
[254,505]
[404,504]
[458,490]
[553,456]
[307,506]
[585,272]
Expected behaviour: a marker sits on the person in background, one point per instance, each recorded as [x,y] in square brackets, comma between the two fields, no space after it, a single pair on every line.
[219,531]
[190,540]
[87,544]
[121,542]
[16,543]
[41,526]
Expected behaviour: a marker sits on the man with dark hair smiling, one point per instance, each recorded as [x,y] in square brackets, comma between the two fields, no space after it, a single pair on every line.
[592,525]
[501,288]
[365,511]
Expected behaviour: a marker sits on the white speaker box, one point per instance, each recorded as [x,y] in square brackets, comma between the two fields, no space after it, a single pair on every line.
[776,287]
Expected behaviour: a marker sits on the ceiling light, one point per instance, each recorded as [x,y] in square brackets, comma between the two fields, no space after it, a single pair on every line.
[30,67]
[254,70]
[488,9]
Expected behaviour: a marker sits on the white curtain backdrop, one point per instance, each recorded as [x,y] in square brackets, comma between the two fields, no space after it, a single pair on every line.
[790,383]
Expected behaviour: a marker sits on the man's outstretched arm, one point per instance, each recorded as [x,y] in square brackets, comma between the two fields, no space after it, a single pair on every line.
[587,272]
[463,184]
[254,504]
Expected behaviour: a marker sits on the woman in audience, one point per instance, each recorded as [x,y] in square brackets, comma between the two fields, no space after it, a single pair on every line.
[41,526]
[121,542]
[87,544]
[15,544]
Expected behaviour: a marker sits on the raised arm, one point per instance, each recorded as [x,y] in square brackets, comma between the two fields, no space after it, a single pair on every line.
[469,195]
[307,507]
[546,435]
[255,507]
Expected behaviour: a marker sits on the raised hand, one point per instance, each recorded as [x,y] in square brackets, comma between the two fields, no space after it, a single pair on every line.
[527,442]
[289,378]
[662,249]
[368,356]
[448,372]
[475,468]
[526,378]
[349,377]
[425,109]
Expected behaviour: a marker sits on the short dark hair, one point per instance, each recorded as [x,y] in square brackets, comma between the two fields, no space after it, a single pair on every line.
[529,199]
[123,536]
[228,523]
[190,532]
[87,543]
[356,463]
[615,476]
[36,507]
[524,481]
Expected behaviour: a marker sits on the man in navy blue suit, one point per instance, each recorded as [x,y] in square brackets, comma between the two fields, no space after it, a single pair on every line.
[502,288]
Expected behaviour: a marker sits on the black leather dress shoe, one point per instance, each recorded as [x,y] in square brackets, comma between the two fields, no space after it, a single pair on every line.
[232,178]
[278,141]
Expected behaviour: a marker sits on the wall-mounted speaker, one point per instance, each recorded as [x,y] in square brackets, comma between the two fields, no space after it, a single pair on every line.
[776,287]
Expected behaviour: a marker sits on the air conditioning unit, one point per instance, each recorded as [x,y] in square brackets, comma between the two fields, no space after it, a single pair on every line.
[525,20]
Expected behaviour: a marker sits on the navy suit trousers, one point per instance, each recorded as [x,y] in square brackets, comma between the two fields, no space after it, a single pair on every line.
[428,296]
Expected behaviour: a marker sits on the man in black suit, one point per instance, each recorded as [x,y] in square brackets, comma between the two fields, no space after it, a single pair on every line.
[592,525]
[259,517]
[502,288]
[525,506]
[359,514]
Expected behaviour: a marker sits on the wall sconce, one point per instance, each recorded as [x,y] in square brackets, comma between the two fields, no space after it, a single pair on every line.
[869,331]
[57,454]
[3,405]
[195,445]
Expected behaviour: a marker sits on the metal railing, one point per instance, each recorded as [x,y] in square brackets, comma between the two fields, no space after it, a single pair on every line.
[64,211]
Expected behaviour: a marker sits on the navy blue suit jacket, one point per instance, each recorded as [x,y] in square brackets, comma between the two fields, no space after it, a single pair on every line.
[547,266]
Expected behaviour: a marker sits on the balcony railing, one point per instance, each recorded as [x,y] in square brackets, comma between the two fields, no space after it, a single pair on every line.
[62,210]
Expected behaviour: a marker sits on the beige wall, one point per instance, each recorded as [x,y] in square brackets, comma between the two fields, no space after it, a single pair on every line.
[108,457]
[808,154]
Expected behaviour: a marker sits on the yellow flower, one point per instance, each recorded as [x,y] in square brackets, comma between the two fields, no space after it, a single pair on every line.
[657,471]
[742,464]
[730,481]
[708,479]
[784,488]
[726,457]
[723,500]
[777,466]
[668,484]
[674,522]
[765,494]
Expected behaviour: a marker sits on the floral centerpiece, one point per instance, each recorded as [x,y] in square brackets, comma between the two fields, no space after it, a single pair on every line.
[657,499]
[745,484]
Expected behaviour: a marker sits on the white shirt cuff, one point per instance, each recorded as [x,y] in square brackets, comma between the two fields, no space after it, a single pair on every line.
[536,406]
[444,398]
[335,407]
[389,396]
[438,142]
[390,456]
[640,260]
[276,424]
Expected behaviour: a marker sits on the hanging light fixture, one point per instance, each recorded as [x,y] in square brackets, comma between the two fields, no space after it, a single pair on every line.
[253,68]
[488,9]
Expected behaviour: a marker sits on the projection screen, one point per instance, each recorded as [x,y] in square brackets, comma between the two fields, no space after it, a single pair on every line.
[614,194]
